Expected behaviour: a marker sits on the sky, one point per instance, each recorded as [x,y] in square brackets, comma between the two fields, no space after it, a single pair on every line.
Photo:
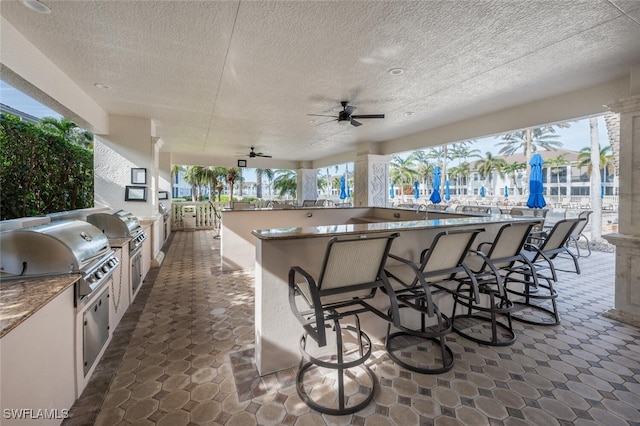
[574,138]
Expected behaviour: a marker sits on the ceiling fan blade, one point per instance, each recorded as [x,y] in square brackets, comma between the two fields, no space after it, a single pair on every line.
[263,155]
[368,116]
[321,115]
[325,122]
[350,109]
[355,123]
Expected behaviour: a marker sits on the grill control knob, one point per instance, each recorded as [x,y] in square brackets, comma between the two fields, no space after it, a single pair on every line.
[99,274]
[105,269]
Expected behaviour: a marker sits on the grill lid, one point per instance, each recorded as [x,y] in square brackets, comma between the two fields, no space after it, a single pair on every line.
[120,224]
[61,247]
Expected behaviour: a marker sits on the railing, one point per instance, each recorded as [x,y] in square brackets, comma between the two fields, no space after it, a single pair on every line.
[205,214]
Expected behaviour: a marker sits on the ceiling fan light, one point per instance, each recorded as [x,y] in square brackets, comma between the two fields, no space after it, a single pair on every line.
[36,6]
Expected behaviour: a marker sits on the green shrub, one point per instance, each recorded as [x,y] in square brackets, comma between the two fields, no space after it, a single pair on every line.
[41,172]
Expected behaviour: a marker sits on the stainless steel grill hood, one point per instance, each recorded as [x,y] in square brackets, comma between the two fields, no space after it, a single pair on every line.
[57,248]
[120,224]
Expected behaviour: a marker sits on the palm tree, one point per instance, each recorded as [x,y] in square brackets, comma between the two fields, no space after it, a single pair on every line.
[232,175]
[441,155]
[607,161]
[260,174]
[219,176]
[487,166]
[402,171]
[512,169]
[68,130]
[192,176]
[425,168]
[530,141]
[286,183]
[555,164]
[462,151]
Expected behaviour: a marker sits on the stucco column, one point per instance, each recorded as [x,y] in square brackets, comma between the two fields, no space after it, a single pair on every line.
[307,180]
[371,181]
[627,240]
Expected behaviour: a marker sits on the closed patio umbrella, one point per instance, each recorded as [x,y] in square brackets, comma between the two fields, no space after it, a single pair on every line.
[447,191]
[506,191]
[482,191]
[392,191]
[343,192]
[536,199]
[435,195]
[416,190]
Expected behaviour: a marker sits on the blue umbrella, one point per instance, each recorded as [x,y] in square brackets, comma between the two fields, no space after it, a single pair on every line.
[343,193]
[601,191]
[392,191]
[348,191]
[416,190]
[435,195]
[447,191]
[506,191]
[482,191]
[536,199]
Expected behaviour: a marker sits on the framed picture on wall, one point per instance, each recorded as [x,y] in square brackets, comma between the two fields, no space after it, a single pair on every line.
[163,195]
[135,193]
[242,163]
[138,176]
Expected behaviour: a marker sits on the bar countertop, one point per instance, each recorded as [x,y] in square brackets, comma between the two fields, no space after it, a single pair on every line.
[20,299]
[380,227]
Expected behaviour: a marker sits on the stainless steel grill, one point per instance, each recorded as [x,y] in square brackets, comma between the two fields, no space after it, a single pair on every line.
[62,247]
[120,224]
[124,224]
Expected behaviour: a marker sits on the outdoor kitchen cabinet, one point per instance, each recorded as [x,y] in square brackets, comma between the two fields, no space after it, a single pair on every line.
[146,255]
[38,362]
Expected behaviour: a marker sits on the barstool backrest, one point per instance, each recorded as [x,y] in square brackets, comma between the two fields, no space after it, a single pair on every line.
[506,247]
[447,252]
[555,241]
[352,267]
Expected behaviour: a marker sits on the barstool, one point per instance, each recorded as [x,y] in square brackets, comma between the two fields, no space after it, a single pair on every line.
[414,285]
[488,269]
[540,306]
[352,271]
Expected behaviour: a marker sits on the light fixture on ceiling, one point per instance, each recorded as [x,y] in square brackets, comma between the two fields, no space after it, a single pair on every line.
[409,113]
[102,86]
[36,6]
[396,71]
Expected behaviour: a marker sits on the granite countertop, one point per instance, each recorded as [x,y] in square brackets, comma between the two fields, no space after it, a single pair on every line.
[366,228]
[20,299]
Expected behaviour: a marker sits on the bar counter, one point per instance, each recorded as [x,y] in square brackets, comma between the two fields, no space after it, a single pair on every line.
[277,250]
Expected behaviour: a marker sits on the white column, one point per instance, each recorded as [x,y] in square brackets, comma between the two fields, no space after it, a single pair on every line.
[627,240]
[307,180]
[371,181]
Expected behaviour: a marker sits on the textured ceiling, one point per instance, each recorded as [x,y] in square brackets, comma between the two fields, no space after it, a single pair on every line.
[220,76]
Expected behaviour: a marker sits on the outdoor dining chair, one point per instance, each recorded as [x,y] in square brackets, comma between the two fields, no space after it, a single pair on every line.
[414,284]
[351,272]
[528,276]
[485,297]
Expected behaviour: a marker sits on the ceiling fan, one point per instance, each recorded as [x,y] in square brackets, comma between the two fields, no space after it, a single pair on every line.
[346,115]
[254,154]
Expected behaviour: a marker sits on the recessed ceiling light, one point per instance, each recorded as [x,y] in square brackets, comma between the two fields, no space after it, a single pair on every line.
[36,6]
[396,71]
[102,86]
[313,121]
[409,113]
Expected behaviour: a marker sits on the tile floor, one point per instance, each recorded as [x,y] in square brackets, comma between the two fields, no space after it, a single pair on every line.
[183,356]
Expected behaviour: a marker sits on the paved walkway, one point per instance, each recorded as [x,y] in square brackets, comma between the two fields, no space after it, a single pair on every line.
[182,356]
